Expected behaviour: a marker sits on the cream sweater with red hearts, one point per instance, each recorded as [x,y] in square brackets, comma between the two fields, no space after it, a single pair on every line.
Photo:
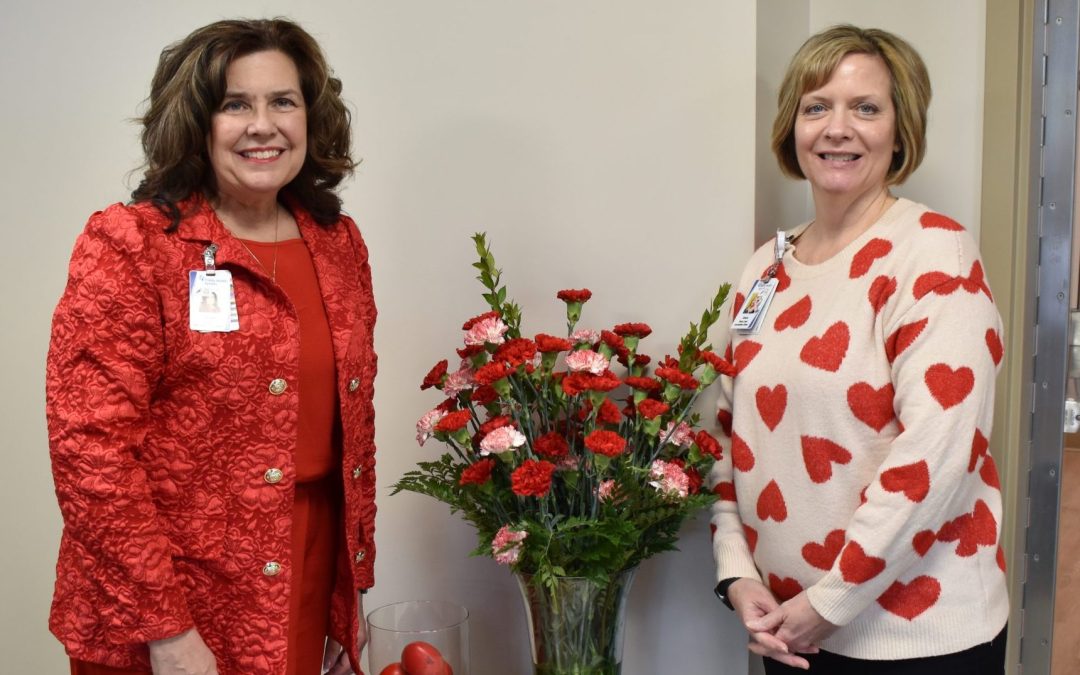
[855,463]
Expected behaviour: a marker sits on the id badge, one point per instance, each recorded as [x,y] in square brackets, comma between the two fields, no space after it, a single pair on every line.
[212,302]
[755,307]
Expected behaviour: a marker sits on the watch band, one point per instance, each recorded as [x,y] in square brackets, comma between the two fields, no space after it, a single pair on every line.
[721,591]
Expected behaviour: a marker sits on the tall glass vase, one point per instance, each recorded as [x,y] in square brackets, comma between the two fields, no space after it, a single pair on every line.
[577,628]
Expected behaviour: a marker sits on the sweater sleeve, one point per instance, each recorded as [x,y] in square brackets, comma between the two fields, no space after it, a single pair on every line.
[945,351]
[732,541]
[105,358]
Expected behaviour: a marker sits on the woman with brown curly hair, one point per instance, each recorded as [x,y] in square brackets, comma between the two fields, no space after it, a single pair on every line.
[215,469]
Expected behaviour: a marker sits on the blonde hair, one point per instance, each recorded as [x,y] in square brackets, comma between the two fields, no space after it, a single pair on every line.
[813,65]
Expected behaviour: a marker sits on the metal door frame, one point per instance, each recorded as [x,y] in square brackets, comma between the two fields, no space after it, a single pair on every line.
[1050,222]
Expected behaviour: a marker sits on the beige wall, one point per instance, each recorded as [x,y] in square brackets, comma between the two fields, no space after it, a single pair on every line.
[606,144]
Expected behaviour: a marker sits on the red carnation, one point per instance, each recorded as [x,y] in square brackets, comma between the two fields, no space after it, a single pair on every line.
[677,377]
[614,341]
[532,478]
[643,383]
[669,361]
[651,408]
[447,405]
[642,359]
[453,421]
[604,442]
[477,319]
[708,444]
[609,413]
[719,365]
[638,330]
[576,383]
[571,295]
[550,343]
[478,473]
[551,444]
[435,375]
[494,423]
[492,372]
[484,395]
[469,351]
[516,351]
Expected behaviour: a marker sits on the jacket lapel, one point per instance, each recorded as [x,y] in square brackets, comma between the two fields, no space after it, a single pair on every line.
[335,268]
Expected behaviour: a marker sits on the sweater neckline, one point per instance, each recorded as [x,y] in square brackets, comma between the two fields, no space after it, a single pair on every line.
[842,259]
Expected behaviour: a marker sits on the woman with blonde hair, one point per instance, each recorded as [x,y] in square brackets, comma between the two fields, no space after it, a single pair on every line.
[859,514]
[215,470]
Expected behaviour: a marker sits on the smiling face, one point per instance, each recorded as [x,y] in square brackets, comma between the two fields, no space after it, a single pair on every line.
[258,135]
[845,131]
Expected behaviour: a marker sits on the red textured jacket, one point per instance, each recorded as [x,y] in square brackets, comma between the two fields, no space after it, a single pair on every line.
[163,440]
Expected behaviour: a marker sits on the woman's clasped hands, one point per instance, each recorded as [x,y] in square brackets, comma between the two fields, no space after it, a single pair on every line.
[780,631]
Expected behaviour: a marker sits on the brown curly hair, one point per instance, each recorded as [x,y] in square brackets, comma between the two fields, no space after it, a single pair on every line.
[813,66]
[189,85]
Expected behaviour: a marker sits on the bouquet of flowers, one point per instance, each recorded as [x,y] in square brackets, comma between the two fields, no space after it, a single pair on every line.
[565,468]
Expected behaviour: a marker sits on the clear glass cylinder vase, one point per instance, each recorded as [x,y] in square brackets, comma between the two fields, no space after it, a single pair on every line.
[407,633]
[577,627]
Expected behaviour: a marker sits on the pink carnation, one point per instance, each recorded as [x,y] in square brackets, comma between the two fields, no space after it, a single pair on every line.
[669,479]
[501,440]
[585,335]
[506,546]
[587,360]
[459,380]
[426,426]
[489,331]
[681,436]
[606,490]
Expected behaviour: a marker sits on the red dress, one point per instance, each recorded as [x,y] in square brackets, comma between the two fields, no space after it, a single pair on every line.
[323,445]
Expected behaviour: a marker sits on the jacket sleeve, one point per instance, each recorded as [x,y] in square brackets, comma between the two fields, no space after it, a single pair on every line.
[104,361]
[945,351]
[368,366]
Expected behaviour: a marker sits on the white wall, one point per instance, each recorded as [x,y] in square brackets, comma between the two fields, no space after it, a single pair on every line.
[606,144]
[950,36]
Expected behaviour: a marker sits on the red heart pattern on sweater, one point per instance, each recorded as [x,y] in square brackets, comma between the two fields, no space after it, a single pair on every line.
[745,353]
[725,490]
[931,220]
[949,386]
[864,259]
[903,337]
[782,278]
[751,538]
[856,567]
[911,479]
[873,407]
[1001,559]
[971,530]
[771,503]
[819,454]
[771,404]
[994,346]
[794,316]
[911,599]
[979,447]
[723,418]
[822,556]
[827,352]
[922,541]
[784,589]
[989,473]
[941,283]
[737,305]
[742,457]
[880,291]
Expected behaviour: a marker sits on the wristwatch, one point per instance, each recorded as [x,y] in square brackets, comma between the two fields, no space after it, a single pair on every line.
[721,591]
